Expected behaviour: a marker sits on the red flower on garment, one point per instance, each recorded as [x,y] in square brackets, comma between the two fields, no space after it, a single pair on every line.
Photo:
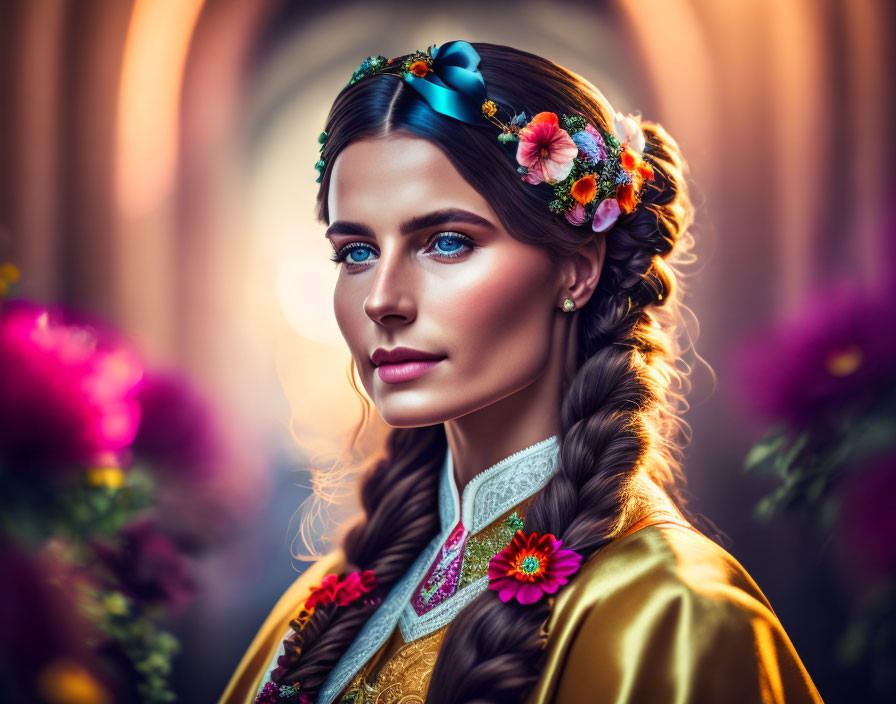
[342,592]
[531,566]
[325,593]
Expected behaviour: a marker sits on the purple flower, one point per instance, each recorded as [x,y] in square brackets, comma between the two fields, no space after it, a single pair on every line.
[591,145]
[576,215]
[146,564]
[210,480]
[44,635]
[836,352]
[177,432]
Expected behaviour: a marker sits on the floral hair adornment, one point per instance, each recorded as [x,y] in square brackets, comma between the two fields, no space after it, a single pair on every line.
[596,176]
[531,566]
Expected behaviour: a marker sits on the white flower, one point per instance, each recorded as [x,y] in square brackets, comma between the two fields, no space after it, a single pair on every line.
[628,127]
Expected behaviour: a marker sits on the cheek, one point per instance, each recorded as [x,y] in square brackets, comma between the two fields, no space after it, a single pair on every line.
[500,313]
[349,312]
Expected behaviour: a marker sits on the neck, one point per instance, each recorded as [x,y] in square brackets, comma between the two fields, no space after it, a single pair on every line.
[482,438]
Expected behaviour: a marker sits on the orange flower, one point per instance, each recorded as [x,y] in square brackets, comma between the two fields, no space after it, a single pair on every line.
[584,189]
[419,68]
[628,159]
[625,195]
[646,171]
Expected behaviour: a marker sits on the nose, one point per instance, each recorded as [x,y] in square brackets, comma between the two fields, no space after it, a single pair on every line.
[392,298]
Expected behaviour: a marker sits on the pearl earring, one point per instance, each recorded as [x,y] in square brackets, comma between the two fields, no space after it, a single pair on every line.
[569,305]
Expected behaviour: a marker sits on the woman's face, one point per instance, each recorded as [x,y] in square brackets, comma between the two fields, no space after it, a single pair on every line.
[426,265]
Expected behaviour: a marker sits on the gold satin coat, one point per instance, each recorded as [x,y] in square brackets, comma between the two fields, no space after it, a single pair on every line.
[661,615]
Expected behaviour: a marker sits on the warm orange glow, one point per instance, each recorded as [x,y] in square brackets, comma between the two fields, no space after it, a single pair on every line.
[155,53]
[67,682]
[843,361]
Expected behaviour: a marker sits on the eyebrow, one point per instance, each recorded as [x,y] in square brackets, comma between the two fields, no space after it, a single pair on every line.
[419,222]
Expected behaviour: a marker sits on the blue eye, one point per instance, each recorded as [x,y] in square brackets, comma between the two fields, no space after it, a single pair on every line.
[446,245]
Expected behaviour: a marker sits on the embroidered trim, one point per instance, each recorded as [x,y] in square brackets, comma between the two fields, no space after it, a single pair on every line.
[485,498]
[480,549]
[378,627]
[442,578]
[402,679]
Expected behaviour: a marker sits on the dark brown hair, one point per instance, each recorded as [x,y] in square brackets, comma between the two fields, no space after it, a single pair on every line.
[621,414]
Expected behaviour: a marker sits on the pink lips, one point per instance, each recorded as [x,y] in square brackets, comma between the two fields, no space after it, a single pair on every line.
[403,363]
[405,371]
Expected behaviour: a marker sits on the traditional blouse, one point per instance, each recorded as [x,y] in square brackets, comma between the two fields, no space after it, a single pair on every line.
[660,614]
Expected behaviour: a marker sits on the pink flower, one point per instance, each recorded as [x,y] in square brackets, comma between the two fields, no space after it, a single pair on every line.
[67,389]
[576,214]
[605,215]
[531,566]
[354,585]
[546,149]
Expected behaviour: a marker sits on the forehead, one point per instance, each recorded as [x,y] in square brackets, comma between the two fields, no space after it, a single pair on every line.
[389,179]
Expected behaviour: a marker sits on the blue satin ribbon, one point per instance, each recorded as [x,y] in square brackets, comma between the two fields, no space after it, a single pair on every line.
[454,86]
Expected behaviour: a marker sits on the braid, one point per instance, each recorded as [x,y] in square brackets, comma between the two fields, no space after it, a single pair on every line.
[614,419]
[399,497]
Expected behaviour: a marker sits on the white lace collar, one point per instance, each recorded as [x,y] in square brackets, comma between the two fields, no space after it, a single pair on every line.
[486,496]
[496,489]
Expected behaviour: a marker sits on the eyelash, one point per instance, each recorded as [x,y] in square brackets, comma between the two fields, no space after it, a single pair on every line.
[341,255]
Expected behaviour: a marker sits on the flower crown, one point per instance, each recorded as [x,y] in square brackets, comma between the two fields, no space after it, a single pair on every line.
[596,175]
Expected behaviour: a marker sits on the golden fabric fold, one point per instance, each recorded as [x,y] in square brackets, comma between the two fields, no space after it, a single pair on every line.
[661,615]
[664,614]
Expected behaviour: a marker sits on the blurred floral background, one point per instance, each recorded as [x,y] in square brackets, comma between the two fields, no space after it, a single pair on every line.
[169,359]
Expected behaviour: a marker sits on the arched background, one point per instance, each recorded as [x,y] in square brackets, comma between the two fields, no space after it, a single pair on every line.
[157,169]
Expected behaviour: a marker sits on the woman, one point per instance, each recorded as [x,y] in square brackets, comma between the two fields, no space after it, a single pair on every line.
[508,293]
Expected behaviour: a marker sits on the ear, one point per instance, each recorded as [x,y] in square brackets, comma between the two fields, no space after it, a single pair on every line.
[580,271]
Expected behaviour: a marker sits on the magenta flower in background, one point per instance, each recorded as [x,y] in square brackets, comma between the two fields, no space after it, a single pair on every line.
[147,565]
[66,390]
[837,351]
[43,634]
[177,432]
[209,480]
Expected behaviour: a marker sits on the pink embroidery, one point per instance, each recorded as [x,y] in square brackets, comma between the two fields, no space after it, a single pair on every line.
[443,575]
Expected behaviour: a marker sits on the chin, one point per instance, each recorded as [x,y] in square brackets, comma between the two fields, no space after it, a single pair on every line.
[412,412]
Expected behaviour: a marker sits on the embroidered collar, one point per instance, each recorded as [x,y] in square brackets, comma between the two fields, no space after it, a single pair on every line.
[497,489]
[486,496]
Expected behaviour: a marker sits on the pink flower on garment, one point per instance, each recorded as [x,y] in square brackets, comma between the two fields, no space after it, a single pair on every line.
[354,585]
[546,149]
[531,566]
